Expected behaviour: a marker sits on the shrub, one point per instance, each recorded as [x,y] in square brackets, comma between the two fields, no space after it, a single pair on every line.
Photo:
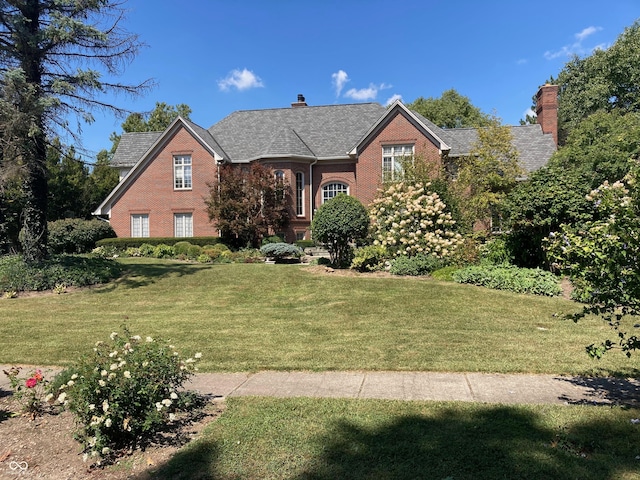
[370,258]
[182,248]
[409,220]
[272,239]
[281,250]
[125,391]
[29,391]
[204,258]
[147,250]
[74,235]
[511,278]
[68,270]
[417,265]
[305,243]
[496,252]
[445,273]
[163,251]
[194,251]
[124,243]
[338,223]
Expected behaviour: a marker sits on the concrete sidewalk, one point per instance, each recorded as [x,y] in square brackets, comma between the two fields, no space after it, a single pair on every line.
[468,387]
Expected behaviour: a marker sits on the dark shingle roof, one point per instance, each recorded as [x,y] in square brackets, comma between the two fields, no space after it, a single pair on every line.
[132,147]
[326,131]
[534,147]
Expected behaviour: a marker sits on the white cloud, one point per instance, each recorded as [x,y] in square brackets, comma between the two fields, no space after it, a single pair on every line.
[241,80]
[339,79]
[522,61]
[369,93]
[392,99]
[586,32]
[575,48]
[529,111]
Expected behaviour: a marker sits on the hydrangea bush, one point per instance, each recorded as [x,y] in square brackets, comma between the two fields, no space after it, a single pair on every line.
[409,220]
[125,391]
[603,257]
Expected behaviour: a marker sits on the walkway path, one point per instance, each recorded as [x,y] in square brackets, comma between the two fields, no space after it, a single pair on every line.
[469,387]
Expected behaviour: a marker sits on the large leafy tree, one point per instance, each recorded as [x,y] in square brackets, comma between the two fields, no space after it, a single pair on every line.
[248,204]
[451,110]
[46,49]
[607,80]
[487,174]
[597,150]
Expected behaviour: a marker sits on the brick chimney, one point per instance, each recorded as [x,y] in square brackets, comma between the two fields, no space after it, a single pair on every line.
[547,109]
[300,102]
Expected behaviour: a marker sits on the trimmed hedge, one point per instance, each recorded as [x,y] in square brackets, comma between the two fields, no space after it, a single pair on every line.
[305,243]
[124,243]
[511,278]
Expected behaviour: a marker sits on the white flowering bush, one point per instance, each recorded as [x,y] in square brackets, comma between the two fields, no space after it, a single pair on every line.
[602,258]
[409,219]
[125,391]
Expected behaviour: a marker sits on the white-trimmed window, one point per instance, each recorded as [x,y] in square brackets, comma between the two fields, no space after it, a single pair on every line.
[182,172]
[330,190]
[183,224]
[300,194]
[392,156]
[140,225]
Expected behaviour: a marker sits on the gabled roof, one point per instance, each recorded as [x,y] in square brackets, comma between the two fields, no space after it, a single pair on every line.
[321,132]
[139,147]
[418,121]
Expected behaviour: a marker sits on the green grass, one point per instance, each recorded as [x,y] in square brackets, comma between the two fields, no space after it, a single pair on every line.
[248,317]
[317,439]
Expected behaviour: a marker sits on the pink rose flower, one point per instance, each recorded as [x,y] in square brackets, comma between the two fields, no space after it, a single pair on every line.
[31,382]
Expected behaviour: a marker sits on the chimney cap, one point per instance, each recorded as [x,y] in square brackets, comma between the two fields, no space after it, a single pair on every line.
[301,101]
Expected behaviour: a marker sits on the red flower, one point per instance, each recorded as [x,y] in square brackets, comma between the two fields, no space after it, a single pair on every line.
[31,382]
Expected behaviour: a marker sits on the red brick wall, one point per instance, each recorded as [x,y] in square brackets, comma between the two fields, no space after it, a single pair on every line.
[398,131]
[153,193]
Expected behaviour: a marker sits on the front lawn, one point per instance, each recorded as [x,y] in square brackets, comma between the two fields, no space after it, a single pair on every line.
[321,439]
[248,317]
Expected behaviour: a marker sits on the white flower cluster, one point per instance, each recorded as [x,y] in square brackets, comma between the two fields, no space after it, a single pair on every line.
[408,219]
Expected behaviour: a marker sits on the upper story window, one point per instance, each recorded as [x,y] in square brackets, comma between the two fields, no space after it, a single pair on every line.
[182,172]
[299,194]
[279,174]
[392,157]
[330,190]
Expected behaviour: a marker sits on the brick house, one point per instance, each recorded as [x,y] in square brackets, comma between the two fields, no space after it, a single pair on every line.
[320,151]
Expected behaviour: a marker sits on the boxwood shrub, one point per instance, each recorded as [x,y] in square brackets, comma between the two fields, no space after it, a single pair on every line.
[511,278]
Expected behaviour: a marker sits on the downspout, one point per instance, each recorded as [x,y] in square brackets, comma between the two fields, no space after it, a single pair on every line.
[312,197]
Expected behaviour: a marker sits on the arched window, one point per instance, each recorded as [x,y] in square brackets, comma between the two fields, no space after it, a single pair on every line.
[279,174]
[330,190]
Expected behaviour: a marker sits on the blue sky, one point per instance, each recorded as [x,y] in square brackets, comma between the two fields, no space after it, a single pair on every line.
[218,56]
